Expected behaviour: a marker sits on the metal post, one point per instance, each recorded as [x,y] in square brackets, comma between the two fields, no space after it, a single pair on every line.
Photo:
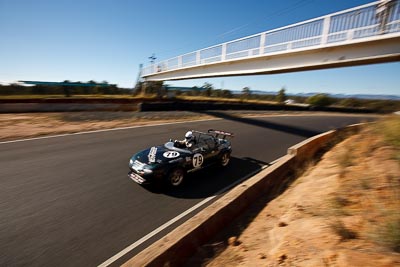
[262,42]
[325,30]
[223,52]
[152,60]
[180,62]
[197,57]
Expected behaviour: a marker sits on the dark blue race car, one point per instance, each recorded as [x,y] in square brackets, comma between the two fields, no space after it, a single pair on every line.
[169,163]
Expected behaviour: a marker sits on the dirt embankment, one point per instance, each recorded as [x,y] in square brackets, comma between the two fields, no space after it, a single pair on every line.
[344,211]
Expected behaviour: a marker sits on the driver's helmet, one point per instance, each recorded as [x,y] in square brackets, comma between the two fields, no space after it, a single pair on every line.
[189,136]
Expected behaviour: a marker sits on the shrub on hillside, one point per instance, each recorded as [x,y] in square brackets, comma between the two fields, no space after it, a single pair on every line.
[320,100]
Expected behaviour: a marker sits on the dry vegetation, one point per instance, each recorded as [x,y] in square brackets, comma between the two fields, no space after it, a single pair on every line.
[222,99]
[27,125]
[369,185]
[344,211]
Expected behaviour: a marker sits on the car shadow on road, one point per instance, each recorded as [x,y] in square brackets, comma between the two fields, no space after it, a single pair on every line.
[213,180]
[265,124]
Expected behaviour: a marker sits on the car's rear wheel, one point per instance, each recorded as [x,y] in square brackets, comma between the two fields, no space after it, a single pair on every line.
[176,177]
[225,158]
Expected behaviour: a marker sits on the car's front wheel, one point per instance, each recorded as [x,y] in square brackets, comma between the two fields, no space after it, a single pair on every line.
[176,177]
[225,158]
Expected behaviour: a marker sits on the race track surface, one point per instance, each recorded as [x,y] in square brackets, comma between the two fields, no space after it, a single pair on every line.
[67,201]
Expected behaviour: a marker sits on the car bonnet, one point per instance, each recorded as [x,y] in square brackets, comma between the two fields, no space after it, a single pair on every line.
[159,154]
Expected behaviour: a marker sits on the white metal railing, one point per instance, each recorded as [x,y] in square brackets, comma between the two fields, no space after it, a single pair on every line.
[351,24]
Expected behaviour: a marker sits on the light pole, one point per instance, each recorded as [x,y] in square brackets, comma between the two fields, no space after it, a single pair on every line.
[152,59]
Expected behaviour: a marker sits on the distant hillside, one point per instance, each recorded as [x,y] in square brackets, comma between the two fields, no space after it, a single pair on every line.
[359,96]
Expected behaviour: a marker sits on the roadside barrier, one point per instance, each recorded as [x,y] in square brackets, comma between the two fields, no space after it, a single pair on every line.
[176,247]
[67,105]
[204,105]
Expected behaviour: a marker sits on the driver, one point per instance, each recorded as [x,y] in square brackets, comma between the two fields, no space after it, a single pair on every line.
[188,142]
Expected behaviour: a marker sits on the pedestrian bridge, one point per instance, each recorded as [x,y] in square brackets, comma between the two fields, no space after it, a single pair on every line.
[357,36]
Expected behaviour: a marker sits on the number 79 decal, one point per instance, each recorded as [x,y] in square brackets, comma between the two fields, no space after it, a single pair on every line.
[197,160]
[171,154]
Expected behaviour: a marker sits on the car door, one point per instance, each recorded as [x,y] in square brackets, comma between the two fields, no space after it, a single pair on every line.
[207,148]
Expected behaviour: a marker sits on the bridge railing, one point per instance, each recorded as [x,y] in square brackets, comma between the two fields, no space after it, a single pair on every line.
[344,26]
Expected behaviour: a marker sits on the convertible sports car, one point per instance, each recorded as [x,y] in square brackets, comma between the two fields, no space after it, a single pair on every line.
[169,163]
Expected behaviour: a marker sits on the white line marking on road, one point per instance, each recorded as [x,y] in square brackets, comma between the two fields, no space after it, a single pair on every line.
[177,218]
[105,130]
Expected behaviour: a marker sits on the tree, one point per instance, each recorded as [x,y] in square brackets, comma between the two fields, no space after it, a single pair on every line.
[226,93]
[196,91]
[321,100]
[281,96]
[67,89]
[246,91]
[153,87]
[208,88]
[351,102]
[138,88]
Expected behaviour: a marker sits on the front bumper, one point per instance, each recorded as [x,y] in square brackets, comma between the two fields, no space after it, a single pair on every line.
[137,178]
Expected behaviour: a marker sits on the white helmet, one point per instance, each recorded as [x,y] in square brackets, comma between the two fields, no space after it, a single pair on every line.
[189,136]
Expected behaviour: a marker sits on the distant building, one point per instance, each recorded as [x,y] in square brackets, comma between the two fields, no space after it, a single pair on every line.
[90,84]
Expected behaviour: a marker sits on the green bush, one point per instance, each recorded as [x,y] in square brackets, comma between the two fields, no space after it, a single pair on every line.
[389,128]
[320,100]
[389,234]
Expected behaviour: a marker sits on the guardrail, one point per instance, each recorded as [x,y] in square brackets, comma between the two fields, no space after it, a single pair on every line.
[353,24]
[176,247]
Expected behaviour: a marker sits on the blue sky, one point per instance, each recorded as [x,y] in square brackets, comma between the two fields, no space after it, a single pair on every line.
[82,40]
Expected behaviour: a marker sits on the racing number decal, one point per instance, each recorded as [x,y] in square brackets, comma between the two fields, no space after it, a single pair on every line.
[197,160]
[171,154]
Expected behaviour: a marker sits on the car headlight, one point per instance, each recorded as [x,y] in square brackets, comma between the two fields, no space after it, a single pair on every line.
[130,162]
[147,171]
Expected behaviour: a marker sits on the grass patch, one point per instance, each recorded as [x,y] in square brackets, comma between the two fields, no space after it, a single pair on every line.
[389,128]
[340,202]
[345,159]
[338,205]
[388,233]
[94,116]
[373,194]
[396,156]
[365,183]
[341,230]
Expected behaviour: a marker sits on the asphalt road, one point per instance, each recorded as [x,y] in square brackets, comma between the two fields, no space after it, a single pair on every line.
[67,201]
